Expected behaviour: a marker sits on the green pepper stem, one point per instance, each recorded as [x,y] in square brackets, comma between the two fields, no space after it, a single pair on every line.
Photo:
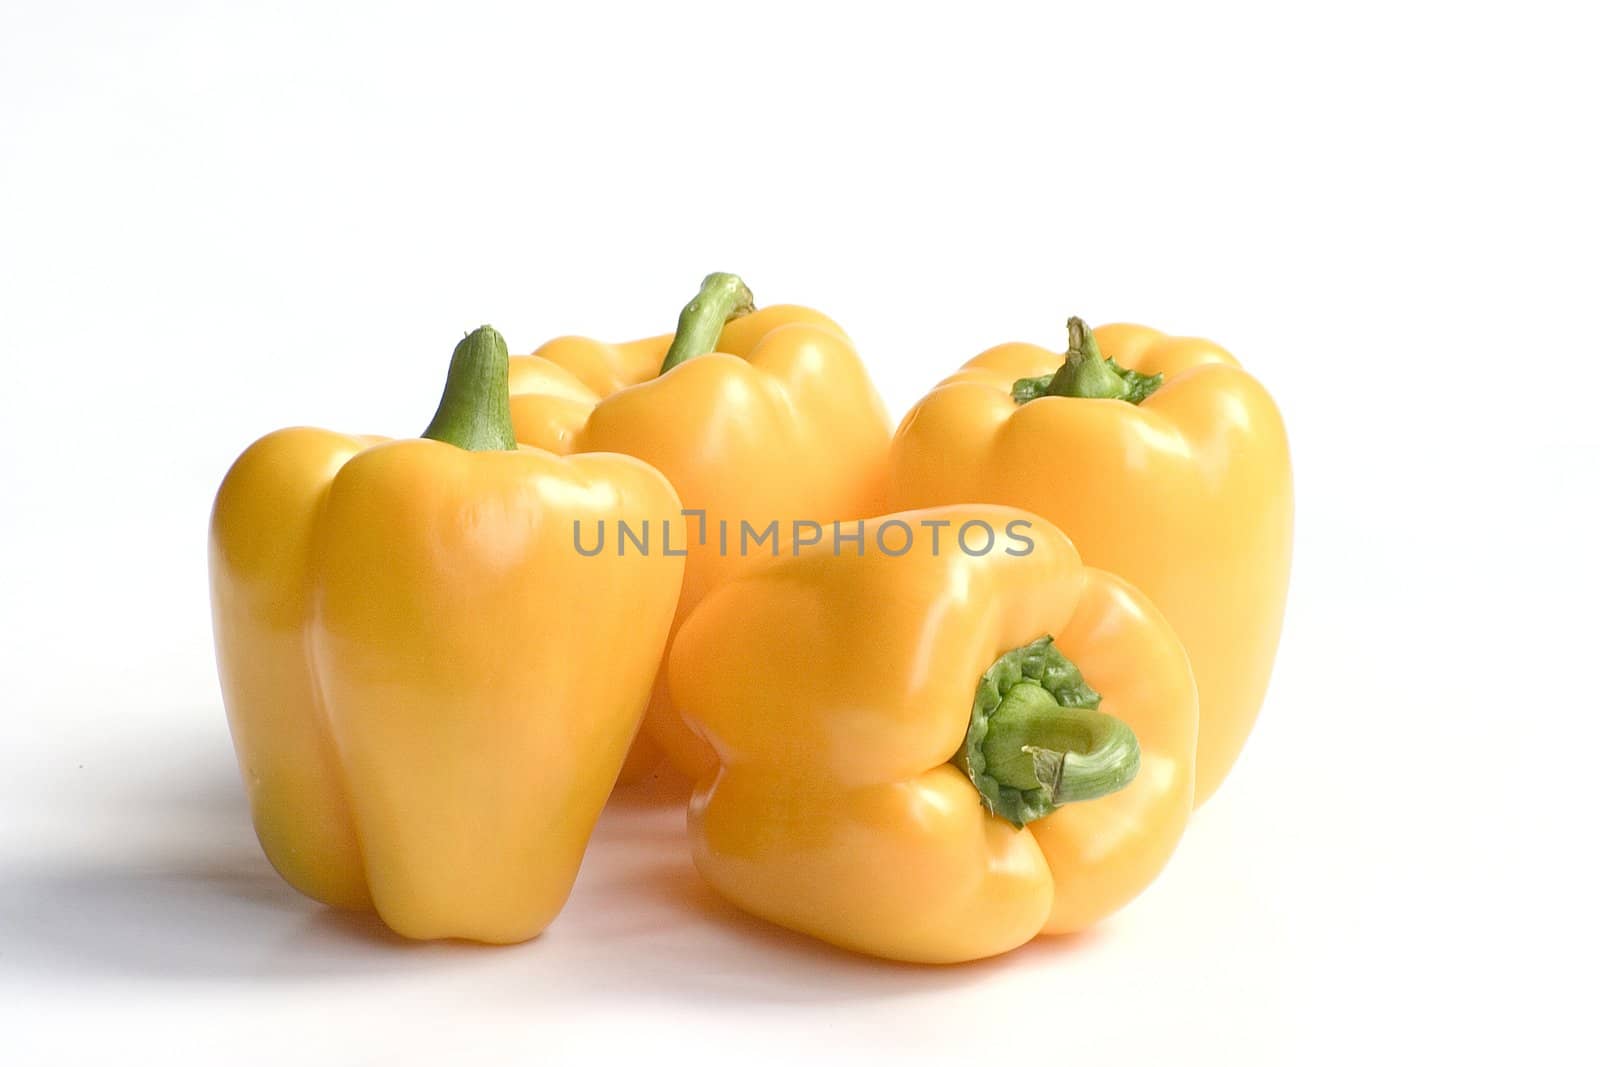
[1087,373]
[1070,753]
[1081,339]
[1037,740]
[475,411]
[721,297]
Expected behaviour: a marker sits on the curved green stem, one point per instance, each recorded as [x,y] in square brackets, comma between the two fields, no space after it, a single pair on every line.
[1037,741]
[721,297]
[1087,373]
[475,410]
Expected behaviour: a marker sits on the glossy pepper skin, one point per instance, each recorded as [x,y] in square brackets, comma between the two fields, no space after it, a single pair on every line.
[836,689]
[430,692]
[778,423]
[1186,493]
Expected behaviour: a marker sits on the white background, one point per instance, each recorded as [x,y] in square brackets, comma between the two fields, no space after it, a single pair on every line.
[219,219]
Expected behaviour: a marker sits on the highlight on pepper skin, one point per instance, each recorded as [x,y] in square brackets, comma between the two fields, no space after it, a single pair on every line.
[935,757]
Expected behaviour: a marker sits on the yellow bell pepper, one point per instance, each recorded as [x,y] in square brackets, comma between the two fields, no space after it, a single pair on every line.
[1163,461]
[909,766]
[430,692]
[760,417]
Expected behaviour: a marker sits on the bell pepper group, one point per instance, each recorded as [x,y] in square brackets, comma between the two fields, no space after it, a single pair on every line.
[965,690]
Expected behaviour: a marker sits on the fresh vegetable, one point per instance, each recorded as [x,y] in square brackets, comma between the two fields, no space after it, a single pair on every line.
[430,691]
[764,417]
[1163,461]
[937,748]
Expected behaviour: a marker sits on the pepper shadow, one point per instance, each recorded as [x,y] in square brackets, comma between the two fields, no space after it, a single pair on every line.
[176,887]
[188,897]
